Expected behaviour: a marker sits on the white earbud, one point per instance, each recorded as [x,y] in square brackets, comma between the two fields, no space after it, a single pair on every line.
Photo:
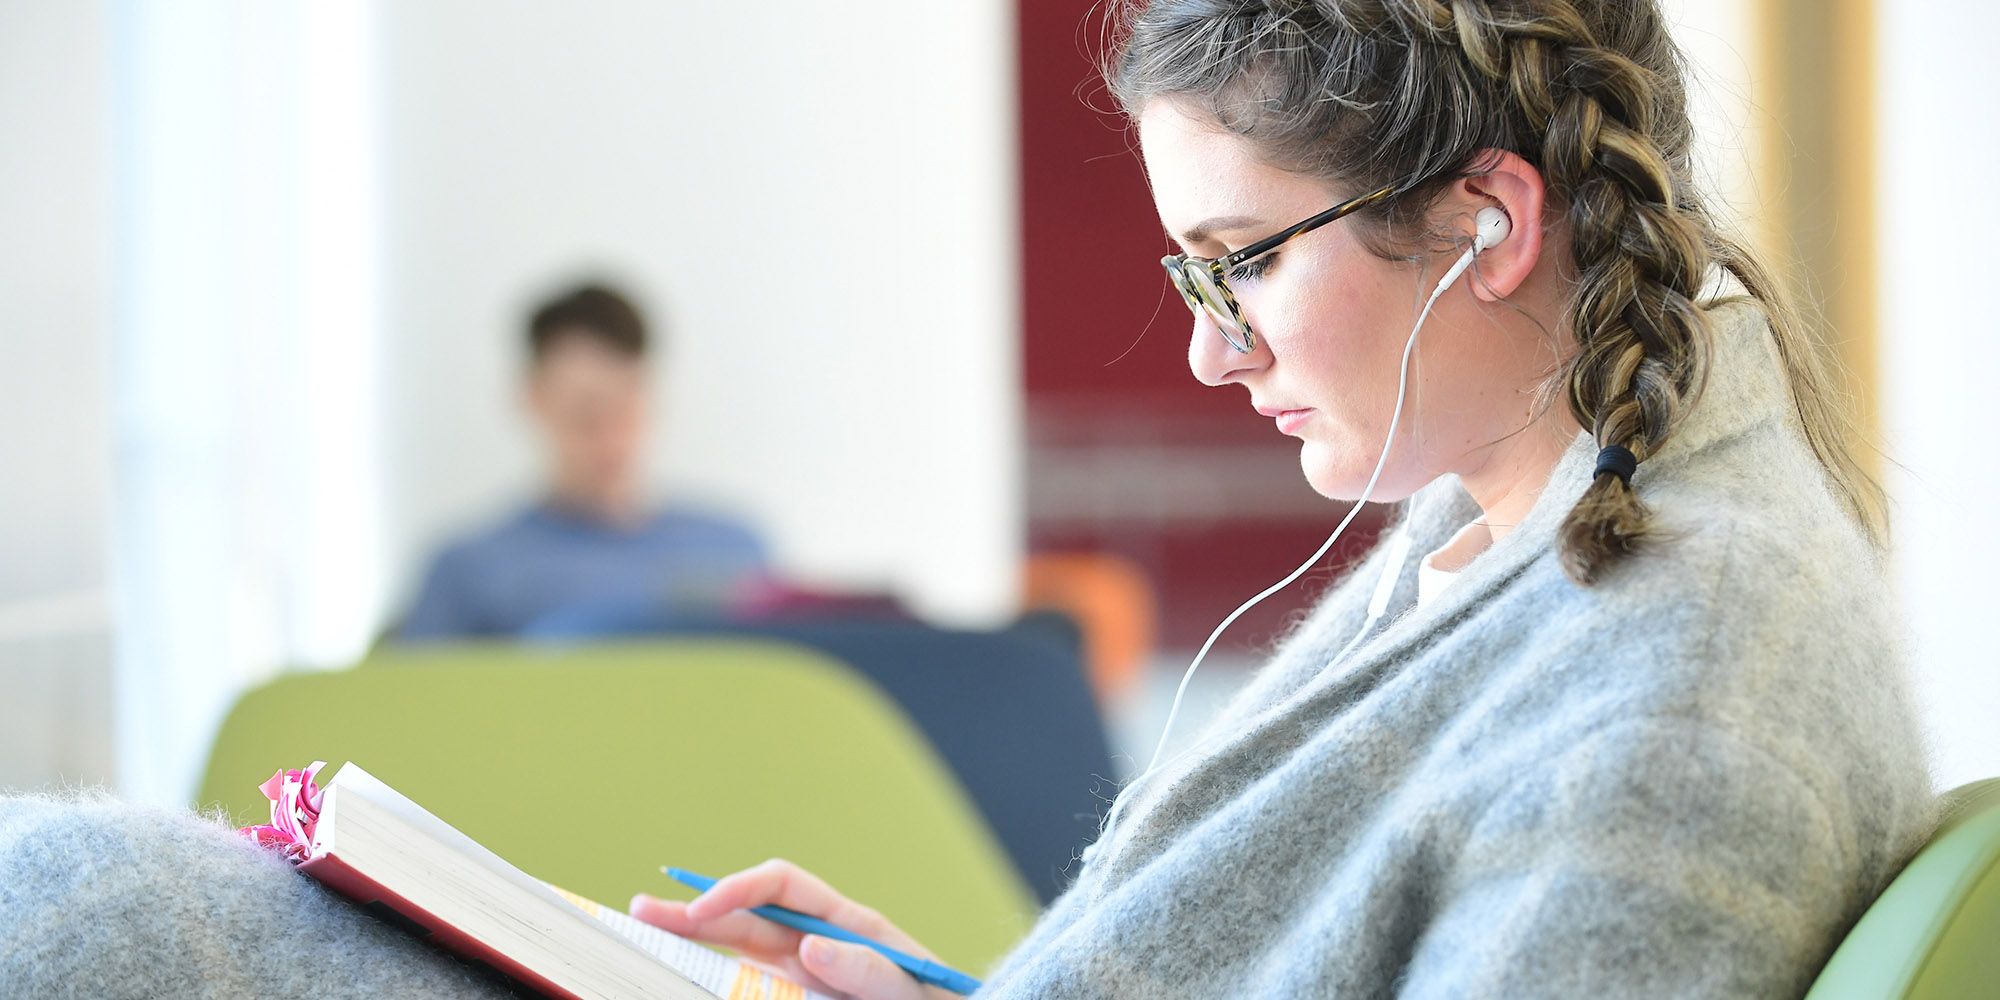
[1493,228]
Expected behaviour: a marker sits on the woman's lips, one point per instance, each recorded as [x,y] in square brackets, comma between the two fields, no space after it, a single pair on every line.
[1289,418]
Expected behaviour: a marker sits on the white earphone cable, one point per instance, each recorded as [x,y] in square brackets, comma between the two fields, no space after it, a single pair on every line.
[1402,385]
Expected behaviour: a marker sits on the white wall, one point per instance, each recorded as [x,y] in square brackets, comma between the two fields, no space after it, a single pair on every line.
[55,654]
[1716,36]
[247,473]
[818,206]
[52,304]
[1937,162]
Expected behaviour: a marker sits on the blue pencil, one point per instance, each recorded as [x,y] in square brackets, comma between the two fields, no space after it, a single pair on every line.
[924,969]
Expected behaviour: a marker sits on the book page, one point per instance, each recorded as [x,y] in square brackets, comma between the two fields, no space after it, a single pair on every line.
[719,974]
[351,779]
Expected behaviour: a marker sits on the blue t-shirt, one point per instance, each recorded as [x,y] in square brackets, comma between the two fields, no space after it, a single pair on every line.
[549,561]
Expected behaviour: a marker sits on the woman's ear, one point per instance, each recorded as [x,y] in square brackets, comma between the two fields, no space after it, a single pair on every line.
[1513,185]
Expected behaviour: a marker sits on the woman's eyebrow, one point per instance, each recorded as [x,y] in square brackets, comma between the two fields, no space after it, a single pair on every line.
[1219,224]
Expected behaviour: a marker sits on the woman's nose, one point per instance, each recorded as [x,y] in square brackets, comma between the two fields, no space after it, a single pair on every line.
[1213,361]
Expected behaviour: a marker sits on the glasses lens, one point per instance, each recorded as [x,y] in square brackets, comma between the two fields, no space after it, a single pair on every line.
[1202,284]
[1178,273]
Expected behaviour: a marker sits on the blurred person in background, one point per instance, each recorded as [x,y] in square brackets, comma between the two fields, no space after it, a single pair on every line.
[592,543]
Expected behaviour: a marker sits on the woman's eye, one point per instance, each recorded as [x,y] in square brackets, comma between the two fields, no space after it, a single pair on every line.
[1254,268]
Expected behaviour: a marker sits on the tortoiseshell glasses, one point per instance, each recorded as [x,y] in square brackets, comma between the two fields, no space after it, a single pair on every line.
[1201,282]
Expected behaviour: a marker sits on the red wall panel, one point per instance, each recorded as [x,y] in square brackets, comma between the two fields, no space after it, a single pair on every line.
[1127,452]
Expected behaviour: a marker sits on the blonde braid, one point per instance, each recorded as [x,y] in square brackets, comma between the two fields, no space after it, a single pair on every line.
[1640,243]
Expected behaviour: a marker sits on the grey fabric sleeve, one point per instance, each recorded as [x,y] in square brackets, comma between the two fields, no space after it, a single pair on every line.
[104,899]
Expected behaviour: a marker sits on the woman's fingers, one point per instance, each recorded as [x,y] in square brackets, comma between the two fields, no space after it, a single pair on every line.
[745,932]
[862,973]
[720,917]
[778,882]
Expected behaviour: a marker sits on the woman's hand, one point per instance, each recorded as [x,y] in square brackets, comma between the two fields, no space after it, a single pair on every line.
[822,964]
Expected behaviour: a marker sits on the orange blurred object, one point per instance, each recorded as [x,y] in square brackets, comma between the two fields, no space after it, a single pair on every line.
[1112,602]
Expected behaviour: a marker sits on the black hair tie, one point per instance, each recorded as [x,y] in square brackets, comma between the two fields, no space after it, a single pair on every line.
[1617,460]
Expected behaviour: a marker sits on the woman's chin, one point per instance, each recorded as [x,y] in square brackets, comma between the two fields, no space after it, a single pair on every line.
[1337,477]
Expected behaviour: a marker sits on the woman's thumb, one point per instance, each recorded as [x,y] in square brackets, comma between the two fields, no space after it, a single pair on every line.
[857,970]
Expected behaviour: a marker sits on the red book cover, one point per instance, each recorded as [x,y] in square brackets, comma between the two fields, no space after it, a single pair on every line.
[505,918]
[392,908]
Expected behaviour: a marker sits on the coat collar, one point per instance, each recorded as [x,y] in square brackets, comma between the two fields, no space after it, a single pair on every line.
[1747,387]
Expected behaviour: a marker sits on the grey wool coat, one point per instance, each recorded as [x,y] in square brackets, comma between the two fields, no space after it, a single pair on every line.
[1687,780]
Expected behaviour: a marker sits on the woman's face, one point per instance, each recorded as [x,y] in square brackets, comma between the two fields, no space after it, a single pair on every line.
[1331,320]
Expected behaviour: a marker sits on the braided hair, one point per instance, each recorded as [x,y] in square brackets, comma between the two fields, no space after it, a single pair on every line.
[1409,92]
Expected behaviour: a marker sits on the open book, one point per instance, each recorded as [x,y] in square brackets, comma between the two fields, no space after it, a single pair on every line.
[387,853]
